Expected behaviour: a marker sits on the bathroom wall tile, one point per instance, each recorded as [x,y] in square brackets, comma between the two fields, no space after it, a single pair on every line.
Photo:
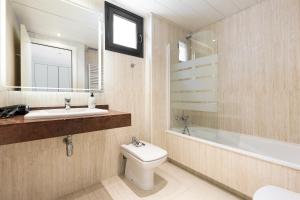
[294,110]
[48,99]
[163,33]
[3,98]
[41,170]
[259,78]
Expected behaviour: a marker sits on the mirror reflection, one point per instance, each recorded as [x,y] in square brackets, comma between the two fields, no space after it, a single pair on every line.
[52,46]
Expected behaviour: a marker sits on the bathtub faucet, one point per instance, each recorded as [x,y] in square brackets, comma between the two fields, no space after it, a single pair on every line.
[184,118]
[67,103]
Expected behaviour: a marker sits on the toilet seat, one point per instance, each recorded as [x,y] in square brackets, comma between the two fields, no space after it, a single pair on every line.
[275,193]
[141,162]
[146,153]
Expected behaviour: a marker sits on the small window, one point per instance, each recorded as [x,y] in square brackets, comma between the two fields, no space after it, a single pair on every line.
[123,31]
[183,51]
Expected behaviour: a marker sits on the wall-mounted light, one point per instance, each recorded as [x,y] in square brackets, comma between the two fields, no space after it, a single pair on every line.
[58,34]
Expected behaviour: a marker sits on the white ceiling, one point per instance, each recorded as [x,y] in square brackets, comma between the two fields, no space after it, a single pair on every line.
[50,17]
[190,14]
[50,55]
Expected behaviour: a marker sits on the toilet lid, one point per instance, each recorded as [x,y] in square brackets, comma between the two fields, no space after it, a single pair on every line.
[146,153]
[275,193]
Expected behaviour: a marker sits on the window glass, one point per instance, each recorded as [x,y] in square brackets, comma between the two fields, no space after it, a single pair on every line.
[183,51]
[125,33]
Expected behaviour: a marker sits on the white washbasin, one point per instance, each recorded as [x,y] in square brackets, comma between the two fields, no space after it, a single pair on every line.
[63,113]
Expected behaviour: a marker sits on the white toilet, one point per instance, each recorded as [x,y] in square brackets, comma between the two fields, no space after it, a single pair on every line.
[141,161]
[275,193]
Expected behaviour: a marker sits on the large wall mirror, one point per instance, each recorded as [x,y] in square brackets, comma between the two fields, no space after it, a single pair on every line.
[52,46]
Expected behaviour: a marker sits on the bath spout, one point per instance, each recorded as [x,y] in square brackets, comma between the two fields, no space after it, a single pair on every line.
[186,130]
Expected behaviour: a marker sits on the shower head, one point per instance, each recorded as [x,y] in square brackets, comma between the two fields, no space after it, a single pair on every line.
[189,36]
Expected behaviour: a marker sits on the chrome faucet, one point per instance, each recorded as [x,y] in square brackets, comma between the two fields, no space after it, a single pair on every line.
[184,118]
[67,103]
[136,142]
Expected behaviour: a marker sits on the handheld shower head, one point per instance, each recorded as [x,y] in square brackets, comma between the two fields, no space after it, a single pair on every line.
[189,36]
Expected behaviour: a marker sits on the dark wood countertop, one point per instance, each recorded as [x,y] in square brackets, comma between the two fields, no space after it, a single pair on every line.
[17,129]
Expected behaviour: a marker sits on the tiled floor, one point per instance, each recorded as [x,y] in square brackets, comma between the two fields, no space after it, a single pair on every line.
[97,192]
[180,185]
[173,183]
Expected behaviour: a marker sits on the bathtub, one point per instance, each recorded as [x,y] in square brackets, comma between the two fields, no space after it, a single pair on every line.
[237,161]
[281,153]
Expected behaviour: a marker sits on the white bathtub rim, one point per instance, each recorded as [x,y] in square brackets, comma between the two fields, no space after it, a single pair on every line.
[239,151]
[245,135]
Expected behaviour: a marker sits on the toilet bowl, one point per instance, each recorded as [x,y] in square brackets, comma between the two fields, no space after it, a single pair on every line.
[141,162]
[275,193]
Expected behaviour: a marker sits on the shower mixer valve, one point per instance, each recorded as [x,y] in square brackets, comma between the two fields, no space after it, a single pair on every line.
[184,118]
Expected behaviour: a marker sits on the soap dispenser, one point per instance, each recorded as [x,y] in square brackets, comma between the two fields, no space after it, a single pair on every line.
[92,101]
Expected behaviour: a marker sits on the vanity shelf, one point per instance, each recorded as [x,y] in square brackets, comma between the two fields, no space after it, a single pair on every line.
[16,129]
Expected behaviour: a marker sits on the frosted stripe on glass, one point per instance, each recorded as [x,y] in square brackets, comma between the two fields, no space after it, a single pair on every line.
[206,107]
[194,84]
[195,72]
[209,60]
[199,84]
[195,96]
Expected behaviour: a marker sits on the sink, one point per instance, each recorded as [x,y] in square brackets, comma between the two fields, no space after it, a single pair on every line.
[63,113]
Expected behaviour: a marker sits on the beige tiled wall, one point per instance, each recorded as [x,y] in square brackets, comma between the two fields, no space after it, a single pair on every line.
[48,99]
[163,33]
[41,170]
[3,97]
[259,67]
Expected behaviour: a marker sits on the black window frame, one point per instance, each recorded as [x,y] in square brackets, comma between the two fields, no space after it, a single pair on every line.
[110,10]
